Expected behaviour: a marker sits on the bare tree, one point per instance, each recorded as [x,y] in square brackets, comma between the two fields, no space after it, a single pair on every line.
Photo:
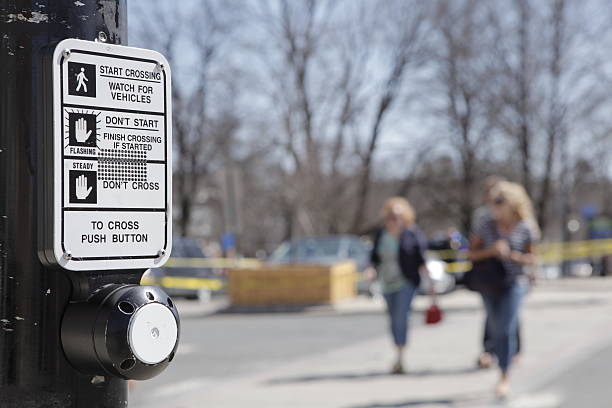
[555,127]
[557,92]
[523,81]
[518,74]
[288,58]
[315,101]
[407,26]
[196,137]
[318,58]
[460,77]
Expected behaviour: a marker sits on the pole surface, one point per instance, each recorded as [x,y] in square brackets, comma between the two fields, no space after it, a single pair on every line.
[33,369]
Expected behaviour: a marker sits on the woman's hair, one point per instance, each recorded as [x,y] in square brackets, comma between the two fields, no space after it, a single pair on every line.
[400,207]
[491,181]
[517,198]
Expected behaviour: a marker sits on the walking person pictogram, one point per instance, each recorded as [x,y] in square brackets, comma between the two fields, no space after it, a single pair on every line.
[81,79]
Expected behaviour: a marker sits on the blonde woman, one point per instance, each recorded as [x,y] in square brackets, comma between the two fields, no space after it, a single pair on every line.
[506,241]
[398,256]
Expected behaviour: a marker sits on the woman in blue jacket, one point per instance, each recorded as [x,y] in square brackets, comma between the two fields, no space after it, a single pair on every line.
[398,259]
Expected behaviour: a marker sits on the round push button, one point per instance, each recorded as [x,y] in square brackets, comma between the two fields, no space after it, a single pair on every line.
[152,333]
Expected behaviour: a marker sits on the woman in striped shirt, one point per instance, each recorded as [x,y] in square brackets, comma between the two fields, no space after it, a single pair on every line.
[509,236]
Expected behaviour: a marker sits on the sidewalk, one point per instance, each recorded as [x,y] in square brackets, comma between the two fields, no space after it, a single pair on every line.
[563,322]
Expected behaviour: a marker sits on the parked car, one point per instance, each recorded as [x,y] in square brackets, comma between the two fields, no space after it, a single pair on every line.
[327,250]
[191,282]
[335,248]
[323,250]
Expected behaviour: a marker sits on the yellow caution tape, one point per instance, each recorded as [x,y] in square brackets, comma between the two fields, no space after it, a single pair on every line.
[564,251]
[184,283]
[216,263]
[547,253]
[191,283]
[458,267]
[449,253]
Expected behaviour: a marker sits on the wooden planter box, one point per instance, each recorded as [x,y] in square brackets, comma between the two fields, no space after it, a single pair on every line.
[292,285]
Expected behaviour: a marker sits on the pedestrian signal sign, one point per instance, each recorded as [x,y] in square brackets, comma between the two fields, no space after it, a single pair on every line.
[110,149]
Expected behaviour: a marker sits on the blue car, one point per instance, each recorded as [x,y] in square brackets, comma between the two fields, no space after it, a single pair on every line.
[326,250]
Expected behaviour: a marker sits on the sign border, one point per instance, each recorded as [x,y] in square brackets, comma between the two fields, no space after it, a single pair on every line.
[120,52]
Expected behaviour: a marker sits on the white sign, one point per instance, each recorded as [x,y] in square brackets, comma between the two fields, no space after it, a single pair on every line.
[111,157]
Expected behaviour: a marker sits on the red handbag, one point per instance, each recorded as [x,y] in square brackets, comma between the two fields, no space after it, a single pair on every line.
[433,315]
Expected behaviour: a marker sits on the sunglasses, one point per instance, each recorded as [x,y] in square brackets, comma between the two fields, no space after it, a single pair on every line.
[499,201]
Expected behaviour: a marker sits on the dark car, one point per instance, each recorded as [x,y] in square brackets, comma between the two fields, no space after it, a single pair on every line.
[180,278]
[453,254]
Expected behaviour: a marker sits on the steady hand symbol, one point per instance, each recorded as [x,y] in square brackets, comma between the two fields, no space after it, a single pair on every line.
[81,188]
[81,133]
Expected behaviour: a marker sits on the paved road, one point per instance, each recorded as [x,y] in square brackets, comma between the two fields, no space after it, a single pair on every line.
[326,358]
[229,345]
[586,384]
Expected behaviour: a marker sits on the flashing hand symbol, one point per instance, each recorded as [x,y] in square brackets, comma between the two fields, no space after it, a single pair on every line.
[81,188]
[81,133]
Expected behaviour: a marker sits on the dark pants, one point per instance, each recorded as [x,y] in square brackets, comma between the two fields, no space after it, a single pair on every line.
[502,321]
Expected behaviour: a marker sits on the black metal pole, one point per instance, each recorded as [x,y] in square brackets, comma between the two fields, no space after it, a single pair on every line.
[33,369]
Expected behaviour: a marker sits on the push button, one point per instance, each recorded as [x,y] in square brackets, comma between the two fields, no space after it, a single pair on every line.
[126,331]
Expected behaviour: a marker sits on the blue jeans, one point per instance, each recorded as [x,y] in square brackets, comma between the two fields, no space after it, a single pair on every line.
[398,307]
[502,322]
